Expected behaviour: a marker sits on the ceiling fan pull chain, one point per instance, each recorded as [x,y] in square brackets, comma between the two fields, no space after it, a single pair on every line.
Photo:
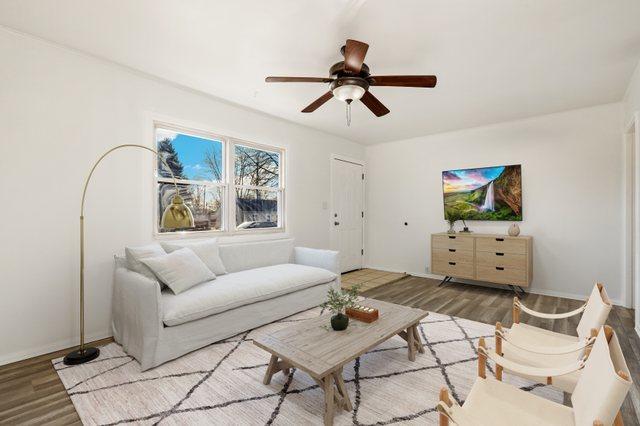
[348,113]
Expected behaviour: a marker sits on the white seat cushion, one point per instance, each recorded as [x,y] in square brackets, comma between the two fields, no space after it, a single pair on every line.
[496,403]
[238,289]
[532,336]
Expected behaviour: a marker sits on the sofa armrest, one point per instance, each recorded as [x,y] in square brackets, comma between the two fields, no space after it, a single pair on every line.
[137,314]
[325,259]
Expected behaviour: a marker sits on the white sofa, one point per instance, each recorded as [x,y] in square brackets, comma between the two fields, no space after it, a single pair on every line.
[266,281]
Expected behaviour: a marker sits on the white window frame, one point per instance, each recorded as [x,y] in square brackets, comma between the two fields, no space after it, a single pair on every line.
[280,190]
[227,184]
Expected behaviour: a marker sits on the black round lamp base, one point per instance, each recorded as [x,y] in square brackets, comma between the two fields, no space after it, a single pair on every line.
[81,356]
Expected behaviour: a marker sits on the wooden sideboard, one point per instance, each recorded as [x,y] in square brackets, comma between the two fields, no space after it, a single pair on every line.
[499,259]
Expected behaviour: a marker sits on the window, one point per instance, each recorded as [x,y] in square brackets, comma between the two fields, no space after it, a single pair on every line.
[196,163]
[203,165]
[257,187]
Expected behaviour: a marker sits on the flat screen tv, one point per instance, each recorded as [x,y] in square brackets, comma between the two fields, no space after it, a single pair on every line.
[485,193]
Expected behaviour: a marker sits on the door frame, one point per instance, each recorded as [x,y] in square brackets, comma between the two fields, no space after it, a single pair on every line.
[340,157]
[631,144]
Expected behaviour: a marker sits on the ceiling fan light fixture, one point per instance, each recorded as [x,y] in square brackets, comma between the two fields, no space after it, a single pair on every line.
[349,92]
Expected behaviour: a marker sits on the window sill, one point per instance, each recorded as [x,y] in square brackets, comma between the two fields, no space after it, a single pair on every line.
[236,235]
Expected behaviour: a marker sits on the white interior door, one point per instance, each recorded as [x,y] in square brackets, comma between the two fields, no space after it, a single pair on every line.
[347,212]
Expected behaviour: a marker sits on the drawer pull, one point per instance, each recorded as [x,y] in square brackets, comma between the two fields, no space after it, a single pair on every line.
[452,237]
[499,254]
[499,268]
[452,263]
[500,239]
[452,250]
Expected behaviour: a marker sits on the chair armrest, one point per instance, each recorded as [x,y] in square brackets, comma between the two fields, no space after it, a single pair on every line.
[325,259]
[503,335]
[526,370]
[518,306]
[137,314]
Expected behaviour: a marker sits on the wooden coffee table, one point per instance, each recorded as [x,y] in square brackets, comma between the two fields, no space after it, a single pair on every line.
[313,347]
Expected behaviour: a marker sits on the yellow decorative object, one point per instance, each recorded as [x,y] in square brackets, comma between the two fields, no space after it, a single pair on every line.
[177,215]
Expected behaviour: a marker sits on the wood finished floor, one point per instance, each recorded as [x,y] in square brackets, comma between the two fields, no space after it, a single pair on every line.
[31,392]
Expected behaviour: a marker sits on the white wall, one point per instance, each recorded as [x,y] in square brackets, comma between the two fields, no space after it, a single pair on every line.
[59,111]
[572,177]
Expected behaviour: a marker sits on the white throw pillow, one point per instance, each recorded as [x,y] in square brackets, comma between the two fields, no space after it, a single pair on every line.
[135,254]
[180,270]
[206,250]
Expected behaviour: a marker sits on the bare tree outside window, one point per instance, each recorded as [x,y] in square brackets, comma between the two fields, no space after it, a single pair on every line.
[213,161]
[257,181]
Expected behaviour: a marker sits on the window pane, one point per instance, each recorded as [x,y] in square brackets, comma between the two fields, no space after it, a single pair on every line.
[257,167]
[256,209]
[189,157]
[205,203]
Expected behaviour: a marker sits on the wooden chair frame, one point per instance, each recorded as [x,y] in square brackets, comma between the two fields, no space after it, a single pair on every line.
[445,398]
[517,304]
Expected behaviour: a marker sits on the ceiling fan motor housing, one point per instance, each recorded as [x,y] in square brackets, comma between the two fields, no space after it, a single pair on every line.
[338,70]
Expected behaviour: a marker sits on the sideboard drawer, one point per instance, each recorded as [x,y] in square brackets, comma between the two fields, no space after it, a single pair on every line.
[453,269]
[487,258]
[503,275]
[501,245]
[459,242]
[452,255]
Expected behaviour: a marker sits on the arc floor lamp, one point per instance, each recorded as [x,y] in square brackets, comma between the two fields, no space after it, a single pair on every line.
[176,216]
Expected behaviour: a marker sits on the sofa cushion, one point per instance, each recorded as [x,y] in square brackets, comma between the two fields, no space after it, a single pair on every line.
[206,250]
[242,256]
[136,254]
[180,270]
[238,289]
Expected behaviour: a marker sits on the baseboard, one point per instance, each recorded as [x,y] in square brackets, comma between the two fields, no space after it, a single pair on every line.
[52,347]
[380,268]
[543,292]
[637,331]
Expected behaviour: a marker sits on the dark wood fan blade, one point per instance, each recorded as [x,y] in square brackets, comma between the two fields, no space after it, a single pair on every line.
[298,80]
[403,80]
[318,102]
[374,104]
[354,53]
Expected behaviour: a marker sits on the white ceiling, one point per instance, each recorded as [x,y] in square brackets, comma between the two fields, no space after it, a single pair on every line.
[496,60]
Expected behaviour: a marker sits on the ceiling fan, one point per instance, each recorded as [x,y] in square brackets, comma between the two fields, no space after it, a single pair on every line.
[350,80]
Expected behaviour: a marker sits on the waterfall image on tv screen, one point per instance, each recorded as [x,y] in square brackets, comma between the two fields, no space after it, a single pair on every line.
[487,193]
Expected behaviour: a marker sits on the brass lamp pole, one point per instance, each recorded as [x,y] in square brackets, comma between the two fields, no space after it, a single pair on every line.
[176,216]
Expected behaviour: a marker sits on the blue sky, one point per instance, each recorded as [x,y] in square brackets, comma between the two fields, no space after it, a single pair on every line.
[191,152]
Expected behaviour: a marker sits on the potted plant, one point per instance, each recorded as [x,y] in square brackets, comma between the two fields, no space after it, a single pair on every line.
[337,302]
[452,217]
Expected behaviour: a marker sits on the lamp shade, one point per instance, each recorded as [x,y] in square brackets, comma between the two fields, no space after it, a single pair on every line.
[348,92]
[177,215]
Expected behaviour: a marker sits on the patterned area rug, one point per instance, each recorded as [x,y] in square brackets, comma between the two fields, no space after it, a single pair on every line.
[222,383]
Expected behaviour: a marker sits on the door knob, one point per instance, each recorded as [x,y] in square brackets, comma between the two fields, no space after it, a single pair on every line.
[336,223]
